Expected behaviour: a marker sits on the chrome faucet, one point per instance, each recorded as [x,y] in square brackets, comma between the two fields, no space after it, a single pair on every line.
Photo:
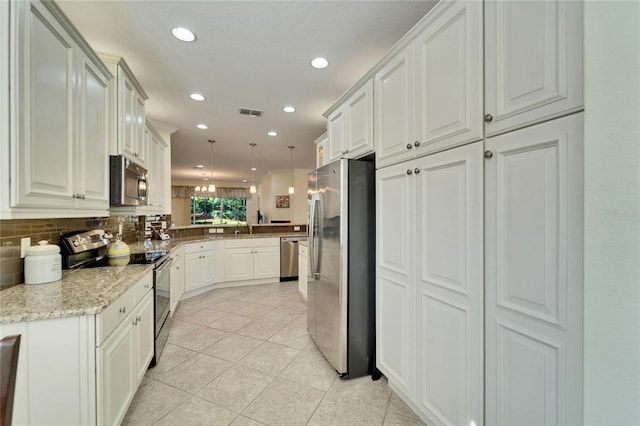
[249,227]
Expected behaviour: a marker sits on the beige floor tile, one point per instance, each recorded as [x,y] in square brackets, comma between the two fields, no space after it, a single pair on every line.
[171,356]
[245,421]
[194,374]
[338,412]
[233,347]
[179,327]
[198,338]
[231,291]
[310,369]
[293,337]
[231,322]
[185,309]
[261,328]
[152,402]
[395,419]
[272,300]
[236,388]
[398,406]
[255,310]
[284,402]
[204,316]
[283,314]
[229,305]
[295,304]
[300,321]
[250,296]
[195,412]
[362,390]
[270,358]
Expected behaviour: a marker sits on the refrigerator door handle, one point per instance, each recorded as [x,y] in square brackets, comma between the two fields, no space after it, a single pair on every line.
[312,236]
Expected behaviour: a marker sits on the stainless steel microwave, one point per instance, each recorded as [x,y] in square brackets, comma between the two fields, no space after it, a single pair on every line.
[129,185]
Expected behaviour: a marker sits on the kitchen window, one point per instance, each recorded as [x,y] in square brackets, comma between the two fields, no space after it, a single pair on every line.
[218,210]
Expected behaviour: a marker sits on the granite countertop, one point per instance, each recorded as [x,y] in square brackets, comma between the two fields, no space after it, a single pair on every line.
[90,291]
[79,292]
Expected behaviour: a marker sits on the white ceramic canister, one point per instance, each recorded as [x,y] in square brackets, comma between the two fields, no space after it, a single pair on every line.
[42,264]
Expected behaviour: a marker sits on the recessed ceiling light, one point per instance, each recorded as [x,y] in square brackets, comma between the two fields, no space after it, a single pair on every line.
[202,126]
[183,34]
[199,166]
[319,63]
[244,180]
[197,97]
[288,108]
[272,133]
[253,169]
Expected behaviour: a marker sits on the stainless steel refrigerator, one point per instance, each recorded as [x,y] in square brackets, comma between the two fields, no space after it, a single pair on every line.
[341,287]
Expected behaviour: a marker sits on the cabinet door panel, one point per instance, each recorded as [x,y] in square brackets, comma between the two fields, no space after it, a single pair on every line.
[360,122]
[394,110]
[266,262]
[46,145]
[144,335]
[533,255]
[533,61]
[336,133]
[238,264]
[449,77]
[450,291]
[93,136]
[395,305]
[193,274]
[209,271]
[116,375]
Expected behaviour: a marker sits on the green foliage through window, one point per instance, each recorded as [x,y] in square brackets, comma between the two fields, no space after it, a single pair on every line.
[218,211]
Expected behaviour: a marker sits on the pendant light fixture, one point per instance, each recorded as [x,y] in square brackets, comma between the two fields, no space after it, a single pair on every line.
[212,187]
[293,177]
[252,188]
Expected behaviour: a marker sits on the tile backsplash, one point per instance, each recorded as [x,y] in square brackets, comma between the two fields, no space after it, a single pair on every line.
[11,231]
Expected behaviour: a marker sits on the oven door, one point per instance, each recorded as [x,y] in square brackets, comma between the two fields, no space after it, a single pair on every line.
[162,288]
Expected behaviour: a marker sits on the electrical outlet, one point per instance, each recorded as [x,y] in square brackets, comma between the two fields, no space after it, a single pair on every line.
[219,230]
[296,228]
[25,243]
[212,230]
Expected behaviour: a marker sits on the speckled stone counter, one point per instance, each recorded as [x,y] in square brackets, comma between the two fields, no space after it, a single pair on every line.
[90,291]
[79,292]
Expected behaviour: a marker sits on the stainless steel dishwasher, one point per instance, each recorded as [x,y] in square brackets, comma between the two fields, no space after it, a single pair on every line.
[289,257]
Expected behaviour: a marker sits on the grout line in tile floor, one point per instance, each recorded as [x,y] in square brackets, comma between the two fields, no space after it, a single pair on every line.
[243,356]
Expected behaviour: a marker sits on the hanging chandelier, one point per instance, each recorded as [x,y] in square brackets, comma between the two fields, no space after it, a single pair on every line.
[212,187]
[252,188]
[293,177]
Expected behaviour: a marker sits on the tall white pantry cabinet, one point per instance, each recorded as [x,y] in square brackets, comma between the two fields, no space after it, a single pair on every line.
[480,213]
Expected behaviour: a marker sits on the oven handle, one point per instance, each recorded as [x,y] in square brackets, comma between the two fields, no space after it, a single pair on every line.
[165,264]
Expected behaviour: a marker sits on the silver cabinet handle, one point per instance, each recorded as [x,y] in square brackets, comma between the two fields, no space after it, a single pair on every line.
[409,146]
[416,171]
[123,310]
[488,154]
[409,172]
[416,144]
[488,118]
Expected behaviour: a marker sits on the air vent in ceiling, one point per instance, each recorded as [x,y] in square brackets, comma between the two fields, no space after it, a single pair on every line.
[251,112]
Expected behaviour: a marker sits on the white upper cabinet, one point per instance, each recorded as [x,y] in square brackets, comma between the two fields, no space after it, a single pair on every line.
[533,62]
[449,77]
[127,113]
[57,154]
[394,109]
[350,127]
[428,97]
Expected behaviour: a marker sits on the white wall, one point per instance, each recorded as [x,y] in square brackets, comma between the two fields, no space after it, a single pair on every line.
[277,183]
[612,213]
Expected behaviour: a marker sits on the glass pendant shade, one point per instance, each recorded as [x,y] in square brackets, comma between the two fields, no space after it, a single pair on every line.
[212,188]
[252,189]
[292,190]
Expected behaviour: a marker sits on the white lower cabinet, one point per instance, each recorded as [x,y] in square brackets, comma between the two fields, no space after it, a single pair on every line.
[177,278]
[252,259]
[200,265]
[430,283]
[123,355]
[534,287]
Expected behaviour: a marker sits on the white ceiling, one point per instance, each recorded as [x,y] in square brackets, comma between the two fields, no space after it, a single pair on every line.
[250,54]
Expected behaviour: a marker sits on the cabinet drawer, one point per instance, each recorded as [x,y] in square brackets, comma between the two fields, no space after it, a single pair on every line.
[252,242]
[109,319]
[142,287]
[202,246]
